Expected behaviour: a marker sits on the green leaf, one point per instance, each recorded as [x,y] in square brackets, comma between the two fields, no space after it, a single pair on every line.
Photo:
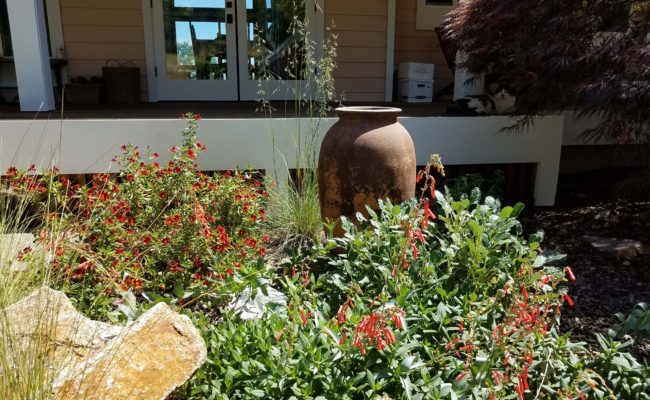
[406,384]
[506,213]
[179,289]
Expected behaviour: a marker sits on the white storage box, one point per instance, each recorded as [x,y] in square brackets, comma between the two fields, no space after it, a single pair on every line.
[414,91]
[415,71]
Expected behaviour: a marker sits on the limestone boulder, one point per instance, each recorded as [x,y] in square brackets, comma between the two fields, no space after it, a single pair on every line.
[86,359]
[46,325]
[152,357]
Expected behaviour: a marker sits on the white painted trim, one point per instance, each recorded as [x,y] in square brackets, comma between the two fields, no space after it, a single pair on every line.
[87,146]
[31,54]
[390,50]
[150,53]
[55,25]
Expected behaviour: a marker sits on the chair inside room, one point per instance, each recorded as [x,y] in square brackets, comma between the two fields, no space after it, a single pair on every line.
[209,56]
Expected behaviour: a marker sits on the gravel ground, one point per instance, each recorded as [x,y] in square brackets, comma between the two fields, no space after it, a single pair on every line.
[586,205]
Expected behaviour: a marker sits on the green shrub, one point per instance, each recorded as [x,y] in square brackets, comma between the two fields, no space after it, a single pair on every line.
[407,307]
[162,232]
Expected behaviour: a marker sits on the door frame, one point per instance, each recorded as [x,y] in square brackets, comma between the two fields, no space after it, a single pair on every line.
[191,90]
[315,11]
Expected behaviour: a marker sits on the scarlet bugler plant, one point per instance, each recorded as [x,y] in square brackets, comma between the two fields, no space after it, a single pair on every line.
[420,300]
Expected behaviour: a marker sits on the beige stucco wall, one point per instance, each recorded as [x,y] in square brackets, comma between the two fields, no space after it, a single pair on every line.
[361,28]
[99,30]
[418,46]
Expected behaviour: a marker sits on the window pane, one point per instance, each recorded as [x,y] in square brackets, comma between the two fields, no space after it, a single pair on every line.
[195,39]
[275,41]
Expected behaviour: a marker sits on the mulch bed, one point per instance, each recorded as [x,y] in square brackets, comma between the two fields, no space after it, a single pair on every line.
[587,205]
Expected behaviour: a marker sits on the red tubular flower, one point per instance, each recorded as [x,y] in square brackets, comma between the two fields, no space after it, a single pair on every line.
[415,250]
[568,299]
[427,211]
[569,274]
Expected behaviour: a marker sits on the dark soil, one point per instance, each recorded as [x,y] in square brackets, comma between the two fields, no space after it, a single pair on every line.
[587,205]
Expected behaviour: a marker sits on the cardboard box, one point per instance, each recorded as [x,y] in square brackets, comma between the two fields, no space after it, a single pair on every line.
[415,72]
[414,91]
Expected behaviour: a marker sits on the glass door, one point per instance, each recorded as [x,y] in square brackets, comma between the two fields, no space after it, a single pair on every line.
[271,42]
[195,46]
[230,49]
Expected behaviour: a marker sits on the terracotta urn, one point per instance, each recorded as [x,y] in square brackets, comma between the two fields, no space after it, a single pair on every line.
[366,156]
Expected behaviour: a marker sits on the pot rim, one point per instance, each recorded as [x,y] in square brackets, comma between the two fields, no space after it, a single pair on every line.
[368,110]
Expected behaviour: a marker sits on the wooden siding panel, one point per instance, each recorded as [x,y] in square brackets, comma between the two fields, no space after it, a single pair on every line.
[362,39]
[356,7]
[366,23]
[367,54]
[360,70]
[102,4]
[418,45]
[105,34]
[361,26]
[364,97]
[101,17]
[105,51]
[360,85]
[99,30]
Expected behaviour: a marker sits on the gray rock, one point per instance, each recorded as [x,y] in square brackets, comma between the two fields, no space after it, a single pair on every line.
[617,248]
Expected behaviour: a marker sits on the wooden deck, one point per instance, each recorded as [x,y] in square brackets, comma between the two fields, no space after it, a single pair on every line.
[212,110]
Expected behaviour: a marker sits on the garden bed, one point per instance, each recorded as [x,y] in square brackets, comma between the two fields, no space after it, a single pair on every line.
[439,297]
[587,205]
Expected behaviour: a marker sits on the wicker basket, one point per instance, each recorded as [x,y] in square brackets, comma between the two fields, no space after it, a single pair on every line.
[122,82]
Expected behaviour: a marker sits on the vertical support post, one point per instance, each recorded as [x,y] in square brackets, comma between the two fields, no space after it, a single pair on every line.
[31,54]
[390,51]
[461,89]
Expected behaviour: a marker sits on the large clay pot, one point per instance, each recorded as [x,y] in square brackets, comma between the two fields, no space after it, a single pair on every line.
[367,155]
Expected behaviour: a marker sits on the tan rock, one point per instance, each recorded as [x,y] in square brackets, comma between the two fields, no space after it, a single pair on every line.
[150,359]
[45,325]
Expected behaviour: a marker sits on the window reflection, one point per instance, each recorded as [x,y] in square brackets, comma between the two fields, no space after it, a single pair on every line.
[195,39]
[274,39]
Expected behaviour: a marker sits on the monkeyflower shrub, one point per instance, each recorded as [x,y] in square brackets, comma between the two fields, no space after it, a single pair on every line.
[160,232]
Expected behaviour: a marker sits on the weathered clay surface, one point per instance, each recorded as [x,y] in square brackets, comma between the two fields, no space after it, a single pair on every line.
[158,353]
[366,156]
[617,248]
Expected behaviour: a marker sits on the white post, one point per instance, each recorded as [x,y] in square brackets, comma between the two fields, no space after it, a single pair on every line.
[390,50]
[461,89]
[31,54]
